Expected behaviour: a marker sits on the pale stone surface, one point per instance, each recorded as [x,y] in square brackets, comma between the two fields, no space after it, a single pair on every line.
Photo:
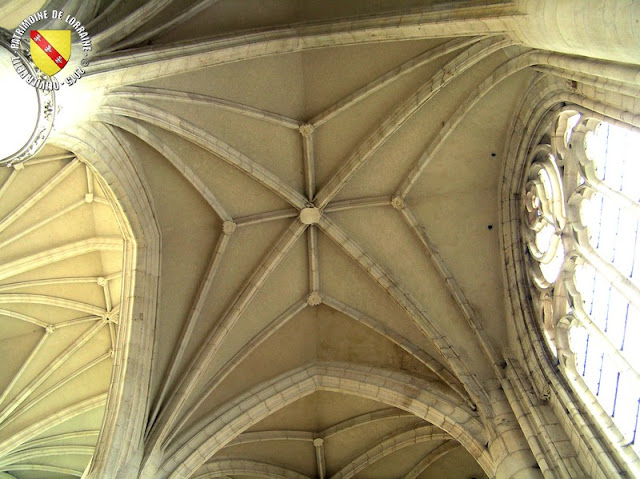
[310,216]
[320,221]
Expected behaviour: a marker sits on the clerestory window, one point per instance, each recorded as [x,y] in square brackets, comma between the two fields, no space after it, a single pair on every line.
[582,232]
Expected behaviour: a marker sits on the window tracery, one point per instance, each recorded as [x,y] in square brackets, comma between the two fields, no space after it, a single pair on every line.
[581,226]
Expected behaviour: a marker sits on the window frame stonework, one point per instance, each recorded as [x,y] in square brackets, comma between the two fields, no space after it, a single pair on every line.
[559,176]
[546,404]
[543,385]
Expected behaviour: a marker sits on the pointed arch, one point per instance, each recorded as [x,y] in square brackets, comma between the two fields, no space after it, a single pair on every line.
[405,437]
[127,403]
[531,370]
[428,400]
[226,467]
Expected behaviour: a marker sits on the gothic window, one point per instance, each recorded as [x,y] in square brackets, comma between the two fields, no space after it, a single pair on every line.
[582,234]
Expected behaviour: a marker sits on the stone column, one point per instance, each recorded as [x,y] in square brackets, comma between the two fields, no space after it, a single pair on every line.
[510,450]
[605,29]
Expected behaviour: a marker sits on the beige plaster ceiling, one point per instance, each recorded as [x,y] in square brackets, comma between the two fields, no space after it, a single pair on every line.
[454,201]
[400,274]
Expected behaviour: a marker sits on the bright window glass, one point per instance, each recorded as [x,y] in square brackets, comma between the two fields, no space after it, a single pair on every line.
[593,273]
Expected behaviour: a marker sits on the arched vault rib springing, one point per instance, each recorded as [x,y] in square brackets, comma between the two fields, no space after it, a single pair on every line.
[163,26]
[16,440]
[450,46]
[156,143]
[456,21]
[109,154]
[61,275]
[279,322]
[149,93]
[399,439]
[313,254]
[226,467]
[504,71]
[462,62]
[431,363]
[45,468]
[431,457]
[30,388]
[205,284]
[34,453]
[25,407]
[429,401]
[391,76]
[20,298]
[452,285]
[358,203]
[118,69]
[59,437]
[262,436]
[52,281]
[23,317]
[214,339]
[307,436]
[198,136]
[314,283]
[249,347]
[363,419]
[38,195]
[390,125]
[16,377]
[44,222]
[411,306]
[264,217]
[61,253]
[121,29]
[192,319]
[501,73]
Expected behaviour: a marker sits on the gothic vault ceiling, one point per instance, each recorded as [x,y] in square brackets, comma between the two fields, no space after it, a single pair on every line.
[327,209]
[60,289]
[233,152]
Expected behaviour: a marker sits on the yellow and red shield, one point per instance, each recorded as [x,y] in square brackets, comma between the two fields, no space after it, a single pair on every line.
[50,49]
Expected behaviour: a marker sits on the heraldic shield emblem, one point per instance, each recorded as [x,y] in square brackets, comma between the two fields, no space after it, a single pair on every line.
[50,49]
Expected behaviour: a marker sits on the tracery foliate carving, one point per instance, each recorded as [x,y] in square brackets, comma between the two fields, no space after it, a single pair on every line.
[558,180]
[545,228]
[564,181]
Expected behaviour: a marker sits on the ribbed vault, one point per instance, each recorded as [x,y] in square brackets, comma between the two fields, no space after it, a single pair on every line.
[315,196]
[60,290]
